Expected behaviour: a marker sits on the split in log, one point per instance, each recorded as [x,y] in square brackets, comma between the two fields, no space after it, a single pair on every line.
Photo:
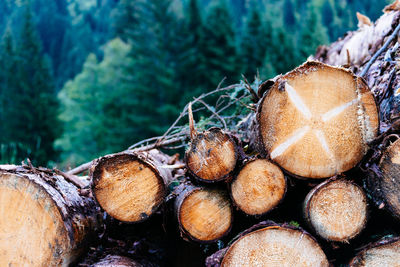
[386,186]
[131,186]
[336,210]
[45,221]
[380,254]
[212,156]
[275,246]
[317,120]
[204,214]
[116,261]
[259,187]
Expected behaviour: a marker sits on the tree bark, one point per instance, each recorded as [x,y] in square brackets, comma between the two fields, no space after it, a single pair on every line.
[47,221]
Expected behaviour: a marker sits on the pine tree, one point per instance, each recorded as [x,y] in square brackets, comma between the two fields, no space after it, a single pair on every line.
[328,18]
[191,69]
[32,118]
[313,33]
[220,46]
[254,43]
[289,18]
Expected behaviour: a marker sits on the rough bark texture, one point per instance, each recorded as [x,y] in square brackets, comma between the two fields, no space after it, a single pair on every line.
[212,156]
[131,186]
[47,221]
[336,210]
[204,214]
[381,78]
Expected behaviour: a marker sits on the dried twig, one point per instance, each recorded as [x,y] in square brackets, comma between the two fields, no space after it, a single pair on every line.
[192,127]
[181,135]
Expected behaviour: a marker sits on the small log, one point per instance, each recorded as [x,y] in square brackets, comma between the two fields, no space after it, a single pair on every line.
[382,253]
[117,261]
[45,220]
[336,210]
[316,121]
[259,187]
[271,245]
[385,185]
[212,156]
[204,214]
[129,186]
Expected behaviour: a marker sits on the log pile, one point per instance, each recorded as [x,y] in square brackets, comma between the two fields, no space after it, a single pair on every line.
[319,155]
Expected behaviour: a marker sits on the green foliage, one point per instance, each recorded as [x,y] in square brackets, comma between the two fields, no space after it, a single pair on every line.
[97,107]
[126,68]
[255,39]
[29,113]
[313,33]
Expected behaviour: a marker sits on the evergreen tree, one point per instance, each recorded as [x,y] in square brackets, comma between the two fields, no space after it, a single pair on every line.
[254,42]
[32,117]
[97,107]
[328,18]
[313,33]
[191,68]
[152,74]
[289,18]
[220,46]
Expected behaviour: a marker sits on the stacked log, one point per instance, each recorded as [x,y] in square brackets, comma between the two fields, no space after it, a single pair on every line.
[320,126]
[46,220]
[130,186]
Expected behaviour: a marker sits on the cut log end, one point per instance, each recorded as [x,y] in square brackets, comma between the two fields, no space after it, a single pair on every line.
[388,185]
[32,228]
[116,261]
[205,214]
[383,253]
[43,222]
[336,210]
[317,120]
[127,187]
[212,156]
[259,187]
[275,246]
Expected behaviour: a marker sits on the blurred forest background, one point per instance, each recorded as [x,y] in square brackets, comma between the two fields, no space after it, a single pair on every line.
[82,78]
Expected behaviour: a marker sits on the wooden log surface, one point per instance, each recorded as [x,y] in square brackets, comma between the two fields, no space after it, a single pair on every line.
[131,186]
[317,120]
[116,261]
[212,156]
[336,209]
[383,253]
[270,244]
[45,220]
[258,187]
[204,214]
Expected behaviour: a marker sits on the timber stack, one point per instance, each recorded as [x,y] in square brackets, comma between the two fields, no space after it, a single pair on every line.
[311,177]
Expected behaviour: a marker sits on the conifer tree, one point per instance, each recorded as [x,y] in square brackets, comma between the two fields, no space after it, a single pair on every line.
[313,32]
[254,43]
[220,46]
[32,117]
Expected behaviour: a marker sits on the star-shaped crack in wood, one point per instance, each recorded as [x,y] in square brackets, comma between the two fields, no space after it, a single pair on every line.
[301,132]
